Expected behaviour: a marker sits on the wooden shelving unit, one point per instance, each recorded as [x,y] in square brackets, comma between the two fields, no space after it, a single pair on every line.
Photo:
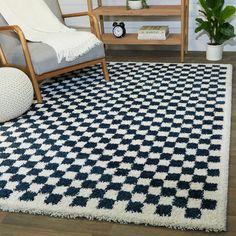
[169,11]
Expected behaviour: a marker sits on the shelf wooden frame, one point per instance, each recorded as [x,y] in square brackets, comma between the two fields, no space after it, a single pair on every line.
[171,10]
[132,39]
[181,11]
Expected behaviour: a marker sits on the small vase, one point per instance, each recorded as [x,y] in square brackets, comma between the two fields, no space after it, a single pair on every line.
[214,52]
[135,5]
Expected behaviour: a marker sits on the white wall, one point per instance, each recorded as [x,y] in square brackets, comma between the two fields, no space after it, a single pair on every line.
[132,25]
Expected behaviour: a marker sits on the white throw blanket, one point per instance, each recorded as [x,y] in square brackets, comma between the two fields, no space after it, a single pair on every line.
[39,24]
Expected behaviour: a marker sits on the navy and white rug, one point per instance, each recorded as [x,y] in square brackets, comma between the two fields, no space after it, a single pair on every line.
[149,147]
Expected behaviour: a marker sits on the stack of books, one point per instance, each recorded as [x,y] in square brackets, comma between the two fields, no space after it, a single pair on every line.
[153,33]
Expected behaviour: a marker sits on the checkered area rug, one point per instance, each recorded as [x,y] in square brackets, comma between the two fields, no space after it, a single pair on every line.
[149,147]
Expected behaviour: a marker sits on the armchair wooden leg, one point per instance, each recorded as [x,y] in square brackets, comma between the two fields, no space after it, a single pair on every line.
[105,70]
[36,89]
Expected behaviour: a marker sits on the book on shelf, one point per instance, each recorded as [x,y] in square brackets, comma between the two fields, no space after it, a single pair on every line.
[153,33]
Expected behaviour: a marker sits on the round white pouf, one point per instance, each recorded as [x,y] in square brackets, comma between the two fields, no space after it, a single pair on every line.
[16,93]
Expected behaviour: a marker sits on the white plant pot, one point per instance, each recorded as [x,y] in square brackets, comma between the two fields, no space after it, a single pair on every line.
[214,52]
[135,5]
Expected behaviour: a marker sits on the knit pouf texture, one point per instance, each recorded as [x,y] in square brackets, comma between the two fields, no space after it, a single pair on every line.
[16,93]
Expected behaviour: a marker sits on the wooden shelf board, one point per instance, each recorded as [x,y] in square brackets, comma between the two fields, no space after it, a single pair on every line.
[173,39]
[158,10]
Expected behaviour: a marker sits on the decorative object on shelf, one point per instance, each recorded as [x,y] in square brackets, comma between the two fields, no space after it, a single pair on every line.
[136,4]
[16,93]
[215,23]
[153,33]
[119,30]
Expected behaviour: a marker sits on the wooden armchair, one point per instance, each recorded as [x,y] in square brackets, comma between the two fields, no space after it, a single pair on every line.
[38,60]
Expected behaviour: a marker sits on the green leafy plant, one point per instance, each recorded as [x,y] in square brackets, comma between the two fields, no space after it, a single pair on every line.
[215,21]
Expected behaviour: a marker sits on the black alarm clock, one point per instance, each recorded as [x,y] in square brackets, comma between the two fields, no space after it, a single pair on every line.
[119,30]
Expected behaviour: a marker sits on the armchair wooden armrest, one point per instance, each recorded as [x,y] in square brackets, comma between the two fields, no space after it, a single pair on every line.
[23,42]
[29,69]
[93,21]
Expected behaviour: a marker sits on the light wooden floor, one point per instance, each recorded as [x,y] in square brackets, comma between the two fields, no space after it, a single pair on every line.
[29,225]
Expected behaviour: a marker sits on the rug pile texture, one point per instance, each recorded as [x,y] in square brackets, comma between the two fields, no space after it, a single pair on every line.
[149,147]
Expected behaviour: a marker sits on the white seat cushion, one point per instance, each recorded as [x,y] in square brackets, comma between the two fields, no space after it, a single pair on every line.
[44,58]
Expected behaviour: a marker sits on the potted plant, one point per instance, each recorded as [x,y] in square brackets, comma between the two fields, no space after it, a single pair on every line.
[136,4]
[215,22]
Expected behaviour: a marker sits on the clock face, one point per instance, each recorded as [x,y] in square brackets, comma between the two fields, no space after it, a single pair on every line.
[118,31]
